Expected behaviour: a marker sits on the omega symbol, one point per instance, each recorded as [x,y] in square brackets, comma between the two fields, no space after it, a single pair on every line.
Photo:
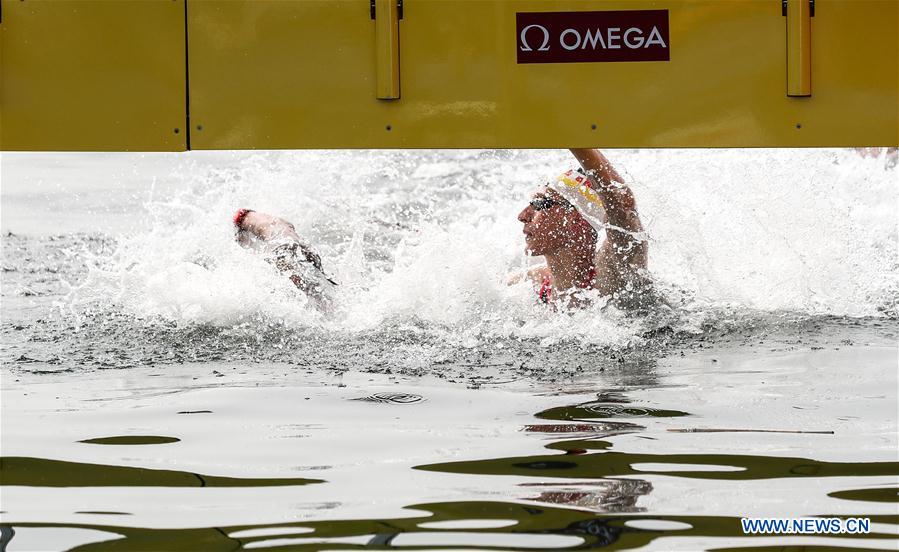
[525,47]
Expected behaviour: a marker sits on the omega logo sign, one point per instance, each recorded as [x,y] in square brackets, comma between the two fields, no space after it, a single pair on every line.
[571,39]
[561,37]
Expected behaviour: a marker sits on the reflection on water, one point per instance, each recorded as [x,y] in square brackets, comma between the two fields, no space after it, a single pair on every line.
[586,498]
[887,494]
[392,398]
[601,495]
[607,405]
[702,466]
[600,410]
[523,527]
[131,440]
[581,493]
[40,472]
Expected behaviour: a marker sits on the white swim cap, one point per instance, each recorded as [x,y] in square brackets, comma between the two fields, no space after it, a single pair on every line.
[579,190]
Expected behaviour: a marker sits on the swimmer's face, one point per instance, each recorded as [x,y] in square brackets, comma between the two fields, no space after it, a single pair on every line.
[244,238]
[550,224]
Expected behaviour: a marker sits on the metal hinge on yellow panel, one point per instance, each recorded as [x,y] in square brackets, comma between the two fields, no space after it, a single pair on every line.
[799,15]
[387,15]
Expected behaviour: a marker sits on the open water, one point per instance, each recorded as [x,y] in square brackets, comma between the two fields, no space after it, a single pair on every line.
[165,389]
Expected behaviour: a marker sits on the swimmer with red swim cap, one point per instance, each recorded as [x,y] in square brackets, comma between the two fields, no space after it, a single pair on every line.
[278,241]
[563,223]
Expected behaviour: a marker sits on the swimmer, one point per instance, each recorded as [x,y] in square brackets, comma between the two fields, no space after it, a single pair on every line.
[277,240]
[563,222]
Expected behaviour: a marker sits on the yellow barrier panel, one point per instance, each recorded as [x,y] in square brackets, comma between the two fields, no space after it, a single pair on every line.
[480,73]
[92,75]
[302,75]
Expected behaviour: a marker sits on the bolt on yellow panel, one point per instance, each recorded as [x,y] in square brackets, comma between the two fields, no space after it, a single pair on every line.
[89,75]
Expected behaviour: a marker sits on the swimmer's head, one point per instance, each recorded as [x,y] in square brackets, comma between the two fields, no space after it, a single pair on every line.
[578,190]
[239,216]
[552,224]
[243,236]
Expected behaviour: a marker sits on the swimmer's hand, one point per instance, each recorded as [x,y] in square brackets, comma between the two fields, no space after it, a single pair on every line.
[515,278]
[536,275]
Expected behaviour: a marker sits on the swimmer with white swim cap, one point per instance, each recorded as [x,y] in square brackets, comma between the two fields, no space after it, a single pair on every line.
[563,223]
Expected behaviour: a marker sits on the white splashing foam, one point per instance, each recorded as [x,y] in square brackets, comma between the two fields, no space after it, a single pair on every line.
[426,239]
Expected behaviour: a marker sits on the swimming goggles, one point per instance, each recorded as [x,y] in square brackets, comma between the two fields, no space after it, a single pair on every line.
[541,203]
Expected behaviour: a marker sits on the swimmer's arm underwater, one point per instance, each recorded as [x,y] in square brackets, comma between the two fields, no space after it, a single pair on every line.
[624,241]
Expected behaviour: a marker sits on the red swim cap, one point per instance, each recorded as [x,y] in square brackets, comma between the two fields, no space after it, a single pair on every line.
[239,216]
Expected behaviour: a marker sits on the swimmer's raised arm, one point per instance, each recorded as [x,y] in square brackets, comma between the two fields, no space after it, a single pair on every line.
[623,238]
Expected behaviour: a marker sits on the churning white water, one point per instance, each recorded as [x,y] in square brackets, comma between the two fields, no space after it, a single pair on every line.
[423,241]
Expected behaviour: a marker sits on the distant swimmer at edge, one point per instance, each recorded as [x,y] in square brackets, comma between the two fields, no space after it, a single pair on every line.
[563,223]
